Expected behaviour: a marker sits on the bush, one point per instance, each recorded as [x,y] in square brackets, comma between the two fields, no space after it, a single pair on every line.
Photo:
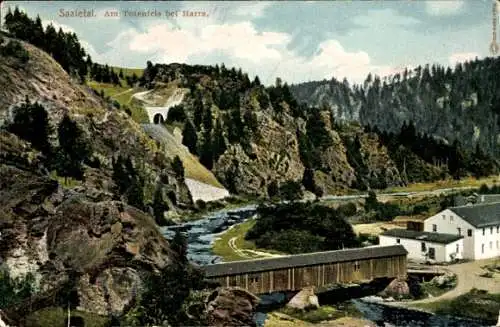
[15,49]
[200,204]
[291,191]
[176,113]
[15,290]
[348,209]
[419,209]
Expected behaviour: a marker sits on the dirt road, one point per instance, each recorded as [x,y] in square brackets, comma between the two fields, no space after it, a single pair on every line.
[467,279]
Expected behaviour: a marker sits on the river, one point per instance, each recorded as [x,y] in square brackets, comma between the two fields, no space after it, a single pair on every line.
[201,234]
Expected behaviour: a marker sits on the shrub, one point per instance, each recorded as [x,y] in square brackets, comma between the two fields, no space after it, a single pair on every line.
[200,204]
[348,209]
[15,290]
[15,49]
[291,191]
[176,113]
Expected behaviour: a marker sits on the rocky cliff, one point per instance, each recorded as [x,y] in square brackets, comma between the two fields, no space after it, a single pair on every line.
[80,231]
[251,136]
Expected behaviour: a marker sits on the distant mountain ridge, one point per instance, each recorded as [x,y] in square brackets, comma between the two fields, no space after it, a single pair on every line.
[452,104]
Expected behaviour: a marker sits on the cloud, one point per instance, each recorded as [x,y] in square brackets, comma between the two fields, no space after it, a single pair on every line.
[444,8]
[384,17]
[238,40]
[266,54]
[462,57]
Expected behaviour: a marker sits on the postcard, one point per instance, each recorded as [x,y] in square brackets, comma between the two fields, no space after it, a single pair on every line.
[249,163]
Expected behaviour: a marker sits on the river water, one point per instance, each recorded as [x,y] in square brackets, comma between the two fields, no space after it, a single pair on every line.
[201,234]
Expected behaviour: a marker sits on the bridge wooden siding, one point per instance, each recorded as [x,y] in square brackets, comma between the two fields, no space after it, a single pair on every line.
[291,273]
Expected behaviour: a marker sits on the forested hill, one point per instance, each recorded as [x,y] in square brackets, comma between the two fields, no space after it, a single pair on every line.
[461,103]
[260,140]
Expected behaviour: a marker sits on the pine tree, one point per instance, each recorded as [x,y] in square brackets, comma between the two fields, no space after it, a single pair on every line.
[179,246]
[73,148]
[189,137]
[121,74]
[219,143]
[256,81]
[31,123]
[159,207]
[178,167]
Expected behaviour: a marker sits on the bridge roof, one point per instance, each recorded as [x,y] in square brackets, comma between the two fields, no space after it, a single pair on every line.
[302,260]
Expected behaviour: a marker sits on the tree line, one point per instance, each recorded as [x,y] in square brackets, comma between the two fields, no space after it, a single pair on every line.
[64,47]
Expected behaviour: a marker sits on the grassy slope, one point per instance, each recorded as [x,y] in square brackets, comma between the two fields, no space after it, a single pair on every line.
[466,182]
[55,317]
[221,247]
[123,95]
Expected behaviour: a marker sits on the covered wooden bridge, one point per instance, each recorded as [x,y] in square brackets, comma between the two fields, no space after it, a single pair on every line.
[294,272]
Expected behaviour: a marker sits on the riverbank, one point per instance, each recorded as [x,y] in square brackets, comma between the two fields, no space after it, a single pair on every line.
[276,319]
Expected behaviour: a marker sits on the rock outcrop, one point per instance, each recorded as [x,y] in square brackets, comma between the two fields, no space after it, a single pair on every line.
[231,307]
[60,233]
[304,300]
[397,289]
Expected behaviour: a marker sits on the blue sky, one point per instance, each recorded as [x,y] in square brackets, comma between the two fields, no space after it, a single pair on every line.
[296,40]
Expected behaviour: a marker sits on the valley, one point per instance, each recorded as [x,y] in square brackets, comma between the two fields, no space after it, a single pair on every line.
[121,187]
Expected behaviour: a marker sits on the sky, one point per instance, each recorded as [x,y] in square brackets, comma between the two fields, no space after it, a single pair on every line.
[298,41]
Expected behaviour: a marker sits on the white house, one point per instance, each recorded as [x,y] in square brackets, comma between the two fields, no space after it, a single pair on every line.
[423,246]
[479,225]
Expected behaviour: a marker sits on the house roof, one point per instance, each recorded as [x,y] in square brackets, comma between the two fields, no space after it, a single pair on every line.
[479,215]
[488,198]
[301,260]
[422,236]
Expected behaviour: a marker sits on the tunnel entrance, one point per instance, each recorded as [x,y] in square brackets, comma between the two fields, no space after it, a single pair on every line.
[158,119]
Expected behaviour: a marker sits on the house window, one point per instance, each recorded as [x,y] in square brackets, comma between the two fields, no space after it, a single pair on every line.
[444,217]
[459,231]
[498,228]
[491,230]
[483,230]
[356,266]
[434,228]
[398,241]
[491,245]
[451,218]
[424,248]
[469,232]
[458,248]
[482,248]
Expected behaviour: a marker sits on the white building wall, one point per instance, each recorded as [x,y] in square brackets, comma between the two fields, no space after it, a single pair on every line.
[490,241]
[414,248]
[449,223]
[451,250]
